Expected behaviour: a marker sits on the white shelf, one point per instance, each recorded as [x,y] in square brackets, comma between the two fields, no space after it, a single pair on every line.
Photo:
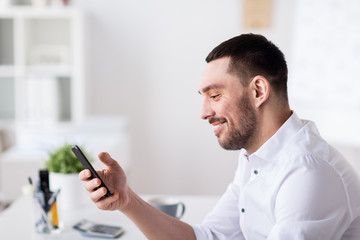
[52,71]
[44,44]
[47,70]
[38,12]
[7,71]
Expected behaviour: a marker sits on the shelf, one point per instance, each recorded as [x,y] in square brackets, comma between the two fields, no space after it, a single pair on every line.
[7,71]
[41,65]
[6,41]
[51,71]
[46,70]
[48,42]
[37,12]
[7,103]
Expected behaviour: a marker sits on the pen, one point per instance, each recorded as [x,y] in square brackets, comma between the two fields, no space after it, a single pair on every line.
[44,186]
[43,216]
[39,196]
[30,180]
[54,215]
[53,198]
[53,209]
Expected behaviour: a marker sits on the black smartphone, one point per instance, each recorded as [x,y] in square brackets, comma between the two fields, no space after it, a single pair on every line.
[85,162]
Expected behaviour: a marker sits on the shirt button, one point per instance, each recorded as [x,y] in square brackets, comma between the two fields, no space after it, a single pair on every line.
[243,210]
[256,172]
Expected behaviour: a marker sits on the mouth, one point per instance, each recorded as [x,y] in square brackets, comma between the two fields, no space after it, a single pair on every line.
[218,128]
[218,125]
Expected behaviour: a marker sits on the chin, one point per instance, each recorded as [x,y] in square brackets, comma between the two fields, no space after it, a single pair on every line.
[227,146]
[231,144]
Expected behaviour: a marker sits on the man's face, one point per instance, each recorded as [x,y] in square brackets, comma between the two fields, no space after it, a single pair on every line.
[226,105]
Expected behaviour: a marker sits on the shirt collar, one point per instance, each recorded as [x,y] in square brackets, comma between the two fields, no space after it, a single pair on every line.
[268,151]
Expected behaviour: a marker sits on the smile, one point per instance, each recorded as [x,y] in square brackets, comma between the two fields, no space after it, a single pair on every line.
[218,126]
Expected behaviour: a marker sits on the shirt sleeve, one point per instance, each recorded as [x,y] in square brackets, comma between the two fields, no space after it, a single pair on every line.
[312,203]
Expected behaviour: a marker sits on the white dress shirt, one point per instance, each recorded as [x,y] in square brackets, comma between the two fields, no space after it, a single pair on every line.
[295,186]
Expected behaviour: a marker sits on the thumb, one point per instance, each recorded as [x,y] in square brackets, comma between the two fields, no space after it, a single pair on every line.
[108,160]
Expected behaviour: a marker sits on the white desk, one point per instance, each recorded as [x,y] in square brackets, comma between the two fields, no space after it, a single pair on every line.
[17,221]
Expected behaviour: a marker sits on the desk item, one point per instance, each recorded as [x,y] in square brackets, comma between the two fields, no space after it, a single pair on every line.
[92,229]
[170,206]
[42,222]
[52,204]
[54,214]
[46,213]
[197,207]
[44,186]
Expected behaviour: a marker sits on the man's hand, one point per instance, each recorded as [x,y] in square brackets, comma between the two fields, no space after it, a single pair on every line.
[114,178]
[151,221]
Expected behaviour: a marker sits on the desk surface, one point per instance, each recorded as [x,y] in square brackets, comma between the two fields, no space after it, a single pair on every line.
[17,221]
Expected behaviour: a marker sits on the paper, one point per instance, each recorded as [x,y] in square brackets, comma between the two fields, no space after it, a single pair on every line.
[257,13]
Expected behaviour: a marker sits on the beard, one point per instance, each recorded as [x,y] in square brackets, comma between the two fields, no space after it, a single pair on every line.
[241,136]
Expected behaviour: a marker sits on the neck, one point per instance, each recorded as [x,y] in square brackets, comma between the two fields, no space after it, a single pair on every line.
[269,122]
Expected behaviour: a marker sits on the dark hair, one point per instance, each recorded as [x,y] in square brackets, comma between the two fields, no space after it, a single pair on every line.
[252,55]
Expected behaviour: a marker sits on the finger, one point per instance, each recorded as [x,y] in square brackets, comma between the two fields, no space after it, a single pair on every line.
[108,160]
[105,203]
[92,185]
[98,194]
[84,175]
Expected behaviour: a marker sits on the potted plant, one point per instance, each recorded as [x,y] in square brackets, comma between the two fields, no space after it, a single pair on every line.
[64,161]
[64,167]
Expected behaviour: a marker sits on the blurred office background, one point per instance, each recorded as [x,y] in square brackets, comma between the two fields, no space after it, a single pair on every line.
[122,76]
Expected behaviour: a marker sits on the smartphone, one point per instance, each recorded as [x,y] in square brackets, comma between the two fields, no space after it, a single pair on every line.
[85,162]
[91,229]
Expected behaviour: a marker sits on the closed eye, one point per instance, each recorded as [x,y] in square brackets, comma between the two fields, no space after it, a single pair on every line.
[215,96]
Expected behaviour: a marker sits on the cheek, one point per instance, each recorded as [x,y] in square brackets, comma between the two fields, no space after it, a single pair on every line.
[224,107]
[230,110]
[236,118]
[221,111]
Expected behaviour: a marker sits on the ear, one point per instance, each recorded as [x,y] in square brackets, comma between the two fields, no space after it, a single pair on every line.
[260,90]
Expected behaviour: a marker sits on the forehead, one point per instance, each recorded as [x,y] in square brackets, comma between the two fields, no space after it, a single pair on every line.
[216,75]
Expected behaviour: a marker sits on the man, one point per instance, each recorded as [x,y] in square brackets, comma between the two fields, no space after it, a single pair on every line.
[290,184]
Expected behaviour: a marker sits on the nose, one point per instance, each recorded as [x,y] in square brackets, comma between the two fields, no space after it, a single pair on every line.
[206,110]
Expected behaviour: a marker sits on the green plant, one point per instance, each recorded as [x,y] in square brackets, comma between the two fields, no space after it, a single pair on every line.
[63,160]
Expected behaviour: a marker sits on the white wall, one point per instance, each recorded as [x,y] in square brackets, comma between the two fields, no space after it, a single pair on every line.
[144,59]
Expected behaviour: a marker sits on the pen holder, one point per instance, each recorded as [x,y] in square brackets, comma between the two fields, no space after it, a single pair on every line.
[46,215]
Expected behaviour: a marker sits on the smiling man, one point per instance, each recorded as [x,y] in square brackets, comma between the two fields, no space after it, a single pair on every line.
[234,126]
[289,184]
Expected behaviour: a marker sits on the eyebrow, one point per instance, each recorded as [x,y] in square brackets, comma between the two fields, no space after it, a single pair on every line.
[210,87]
